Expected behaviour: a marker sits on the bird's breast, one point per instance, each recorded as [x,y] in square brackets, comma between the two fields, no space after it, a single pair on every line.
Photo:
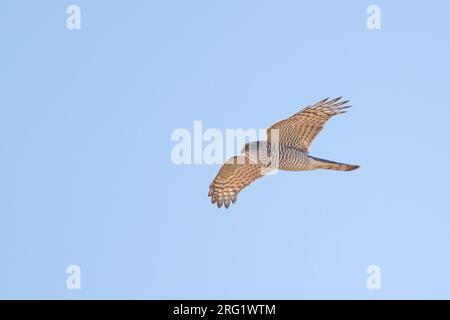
[293,159]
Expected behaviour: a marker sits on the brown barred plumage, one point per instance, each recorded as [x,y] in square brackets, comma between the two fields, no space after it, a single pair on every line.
[286,148]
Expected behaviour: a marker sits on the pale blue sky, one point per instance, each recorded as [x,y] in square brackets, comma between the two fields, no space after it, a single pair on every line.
[86,176]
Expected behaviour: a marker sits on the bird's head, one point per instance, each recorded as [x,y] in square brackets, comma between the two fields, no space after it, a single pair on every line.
[256,150]
[250,147]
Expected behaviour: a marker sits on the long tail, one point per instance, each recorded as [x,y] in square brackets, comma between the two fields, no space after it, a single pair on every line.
[331,165]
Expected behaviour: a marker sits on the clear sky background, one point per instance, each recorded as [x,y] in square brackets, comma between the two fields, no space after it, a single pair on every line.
[86,176]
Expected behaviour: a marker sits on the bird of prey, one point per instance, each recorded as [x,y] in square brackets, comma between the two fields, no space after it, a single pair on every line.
[286,148]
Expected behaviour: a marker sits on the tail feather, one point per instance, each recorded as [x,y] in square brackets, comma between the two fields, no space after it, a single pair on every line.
[331,165]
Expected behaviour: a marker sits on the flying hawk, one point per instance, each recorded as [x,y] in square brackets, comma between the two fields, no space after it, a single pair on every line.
[286,148]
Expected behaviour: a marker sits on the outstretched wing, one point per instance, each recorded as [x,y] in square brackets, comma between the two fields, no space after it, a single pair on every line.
[300,129]
[234,175]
